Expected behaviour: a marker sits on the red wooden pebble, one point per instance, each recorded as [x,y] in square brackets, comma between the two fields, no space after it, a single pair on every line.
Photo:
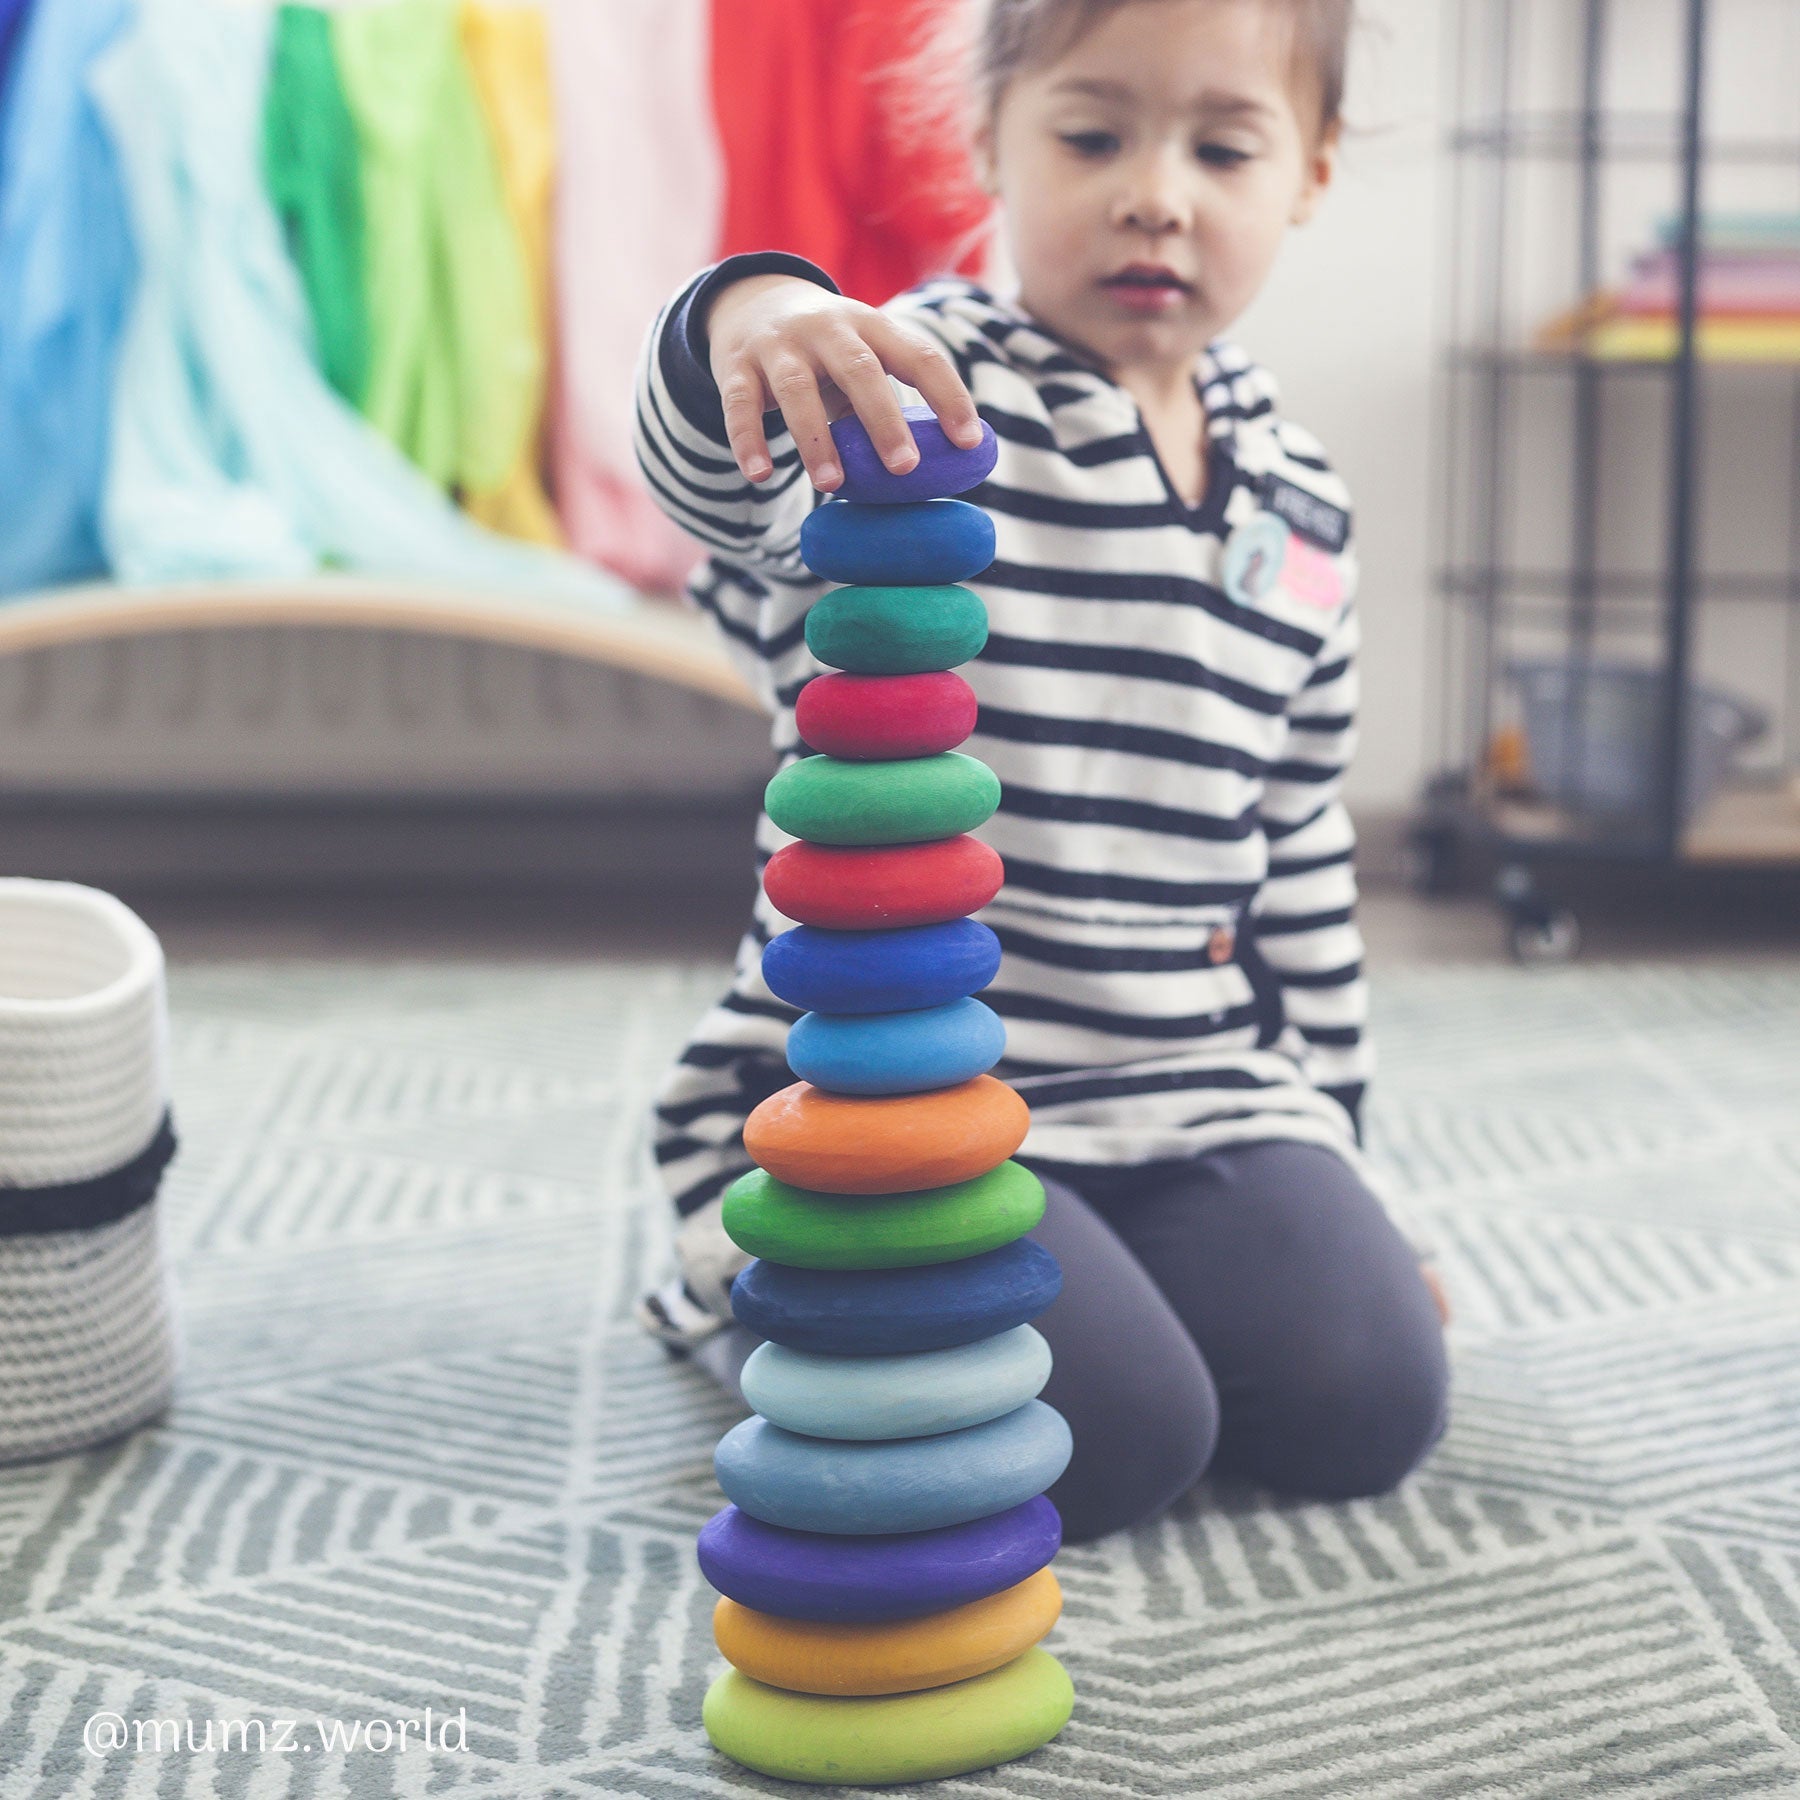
[883,888]
[870,718]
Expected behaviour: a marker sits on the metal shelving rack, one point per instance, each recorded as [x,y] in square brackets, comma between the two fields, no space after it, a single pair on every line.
[1591,613]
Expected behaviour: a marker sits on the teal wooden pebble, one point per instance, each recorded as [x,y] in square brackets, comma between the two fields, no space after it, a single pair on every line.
[903,1484]
[877,1397]
[897,1053]
[920,545]
[897,630]
[912,801]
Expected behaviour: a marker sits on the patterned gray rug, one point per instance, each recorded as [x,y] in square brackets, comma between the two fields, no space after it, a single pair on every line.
[423,1459]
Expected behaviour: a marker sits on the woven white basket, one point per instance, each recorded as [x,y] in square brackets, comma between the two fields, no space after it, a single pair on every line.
[87,1333]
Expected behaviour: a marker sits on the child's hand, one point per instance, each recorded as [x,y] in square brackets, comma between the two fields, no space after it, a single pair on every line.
[781,341]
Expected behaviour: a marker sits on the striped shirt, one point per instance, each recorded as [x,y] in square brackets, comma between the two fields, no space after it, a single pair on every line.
[1181,966]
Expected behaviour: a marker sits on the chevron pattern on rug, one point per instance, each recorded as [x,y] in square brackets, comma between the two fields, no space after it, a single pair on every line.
[422,1457]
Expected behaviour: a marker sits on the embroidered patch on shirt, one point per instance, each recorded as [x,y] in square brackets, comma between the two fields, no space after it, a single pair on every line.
[1316,520]
[1310,576]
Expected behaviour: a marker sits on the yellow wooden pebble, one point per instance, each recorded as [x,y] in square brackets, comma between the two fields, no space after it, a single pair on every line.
[896,1657]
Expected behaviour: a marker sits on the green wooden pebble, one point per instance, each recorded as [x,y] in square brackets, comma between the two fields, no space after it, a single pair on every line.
[808,1230]
[897,630]
[869,1740]
[826,801]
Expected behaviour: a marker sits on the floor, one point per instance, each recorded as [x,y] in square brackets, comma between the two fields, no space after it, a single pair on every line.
[422,1458]
[1403,929]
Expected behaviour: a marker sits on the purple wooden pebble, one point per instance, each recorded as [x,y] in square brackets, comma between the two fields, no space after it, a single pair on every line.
[943,468]
[866,1580]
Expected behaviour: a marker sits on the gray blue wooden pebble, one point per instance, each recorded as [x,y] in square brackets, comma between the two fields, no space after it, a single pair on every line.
[880,971]
[927,543]
[898,1052]
[870,1397]
[890,1312]
[900,1484]
[943,468]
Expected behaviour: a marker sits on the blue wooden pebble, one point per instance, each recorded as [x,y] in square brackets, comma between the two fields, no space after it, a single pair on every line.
[943,468]
[880,971]
[902,1484]
[864,1581]
[898,1052]
[871,1397]
[928,543]
[892,1312]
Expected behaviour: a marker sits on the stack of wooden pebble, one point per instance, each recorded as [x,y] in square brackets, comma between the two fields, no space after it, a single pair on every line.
[885,1561]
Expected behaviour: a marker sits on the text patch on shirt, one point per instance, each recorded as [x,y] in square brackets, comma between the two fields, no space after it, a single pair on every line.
[1316,520]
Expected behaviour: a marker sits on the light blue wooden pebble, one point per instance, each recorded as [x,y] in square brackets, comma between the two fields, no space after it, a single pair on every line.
[873,1397]
[899,1484]
[896,1053]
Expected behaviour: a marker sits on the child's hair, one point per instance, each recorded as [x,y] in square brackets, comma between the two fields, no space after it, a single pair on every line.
[1010,35]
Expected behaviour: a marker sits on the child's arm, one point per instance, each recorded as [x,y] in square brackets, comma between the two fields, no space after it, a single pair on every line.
[765,333]
[1305,915]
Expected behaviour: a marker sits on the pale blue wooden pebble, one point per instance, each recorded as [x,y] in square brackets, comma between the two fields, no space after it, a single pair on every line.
[899,1484]
[872,1397]
[896,1053]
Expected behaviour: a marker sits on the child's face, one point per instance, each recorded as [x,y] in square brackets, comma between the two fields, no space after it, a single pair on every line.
[1147,177]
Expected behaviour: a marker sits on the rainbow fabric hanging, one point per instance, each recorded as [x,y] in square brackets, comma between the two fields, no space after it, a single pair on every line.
[472,212]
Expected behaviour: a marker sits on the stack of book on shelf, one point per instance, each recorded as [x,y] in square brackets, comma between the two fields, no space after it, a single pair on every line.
[1748,298]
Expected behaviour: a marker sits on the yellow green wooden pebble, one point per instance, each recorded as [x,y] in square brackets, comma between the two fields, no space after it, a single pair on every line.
[865,1741]
[810,1230]
[911,801]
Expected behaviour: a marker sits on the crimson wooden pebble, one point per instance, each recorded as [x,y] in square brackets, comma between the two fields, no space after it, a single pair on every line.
[851,888]
[866,718]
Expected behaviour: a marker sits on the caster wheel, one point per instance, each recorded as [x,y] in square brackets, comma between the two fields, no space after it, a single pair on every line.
[1549,936]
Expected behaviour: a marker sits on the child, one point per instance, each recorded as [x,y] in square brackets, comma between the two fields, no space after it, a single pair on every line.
[1167,695]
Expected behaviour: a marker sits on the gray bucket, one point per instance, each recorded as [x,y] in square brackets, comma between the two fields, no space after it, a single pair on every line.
[1594,739]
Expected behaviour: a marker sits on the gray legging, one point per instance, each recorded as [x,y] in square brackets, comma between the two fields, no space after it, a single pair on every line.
[1253,1312]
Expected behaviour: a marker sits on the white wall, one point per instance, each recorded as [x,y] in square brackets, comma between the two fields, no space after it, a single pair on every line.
[1348,324]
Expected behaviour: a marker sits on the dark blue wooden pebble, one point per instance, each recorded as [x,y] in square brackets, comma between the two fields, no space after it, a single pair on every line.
[929,543]
[866,1488]
[899,1052]
[943,468]
[888,1312]
[871,1580]
[880,971]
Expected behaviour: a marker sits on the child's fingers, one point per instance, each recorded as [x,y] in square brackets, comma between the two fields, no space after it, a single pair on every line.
[859,374]
[795,385]
[745,401]
[927,366]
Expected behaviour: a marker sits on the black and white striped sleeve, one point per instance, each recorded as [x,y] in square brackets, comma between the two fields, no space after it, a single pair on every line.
[680,439]
[1306,911]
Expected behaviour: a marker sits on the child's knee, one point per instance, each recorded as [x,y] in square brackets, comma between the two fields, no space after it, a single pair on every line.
[1352,1418]
[1137,1451]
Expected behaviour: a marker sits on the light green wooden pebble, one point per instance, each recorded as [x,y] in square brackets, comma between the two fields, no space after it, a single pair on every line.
[868,1741]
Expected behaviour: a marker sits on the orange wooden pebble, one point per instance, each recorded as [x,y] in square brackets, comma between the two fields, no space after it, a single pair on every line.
[899,1657]
[891,1144]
